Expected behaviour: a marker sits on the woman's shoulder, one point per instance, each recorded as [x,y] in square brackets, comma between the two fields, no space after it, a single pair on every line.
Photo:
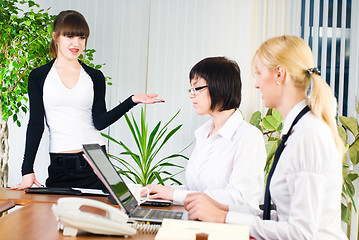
[43,68]
[89,70]
[246,127]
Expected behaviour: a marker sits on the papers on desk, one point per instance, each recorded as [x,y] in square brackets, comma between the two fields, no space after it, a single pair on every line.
[186,230]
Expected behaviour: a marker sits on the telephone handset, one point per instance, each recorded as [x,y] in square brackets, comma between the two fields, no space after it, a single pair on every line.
[72,219]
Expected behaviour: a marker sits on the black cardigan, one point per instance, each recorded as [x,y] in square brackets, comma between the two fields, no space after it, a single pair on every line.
[35,128]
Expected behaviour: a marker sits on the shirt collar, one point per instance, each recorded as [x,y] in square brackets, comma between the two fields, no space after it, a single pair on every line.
[292,115]
[226,131]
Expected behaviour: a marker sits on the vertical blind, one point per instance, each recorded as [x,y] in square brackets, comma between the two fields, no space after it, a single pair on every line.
[326,27]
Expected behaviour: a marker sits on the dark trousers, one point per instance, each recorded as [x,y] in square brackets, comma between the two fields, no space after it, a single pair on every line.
[72,170]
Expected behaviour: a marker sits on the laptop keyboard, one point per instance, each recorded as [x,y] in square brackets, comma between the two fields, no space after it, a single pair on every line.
[157,214]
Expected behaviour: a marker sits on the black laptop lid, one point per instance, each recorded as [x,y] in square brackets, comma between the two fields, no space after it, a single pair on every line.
[109,176]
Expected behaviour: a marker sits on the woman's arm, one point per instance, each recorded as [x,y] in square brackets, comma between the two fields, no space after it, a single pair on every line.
[103,118]
[35,127]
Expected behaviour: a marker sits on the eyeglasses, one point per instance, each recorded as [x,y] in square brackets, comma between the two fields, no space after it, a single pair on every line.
[193,91]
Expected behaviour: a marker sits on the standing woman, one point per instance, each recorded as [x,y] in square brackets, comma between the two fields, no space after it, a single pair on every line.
[70,96]
[305,181]
[229,157]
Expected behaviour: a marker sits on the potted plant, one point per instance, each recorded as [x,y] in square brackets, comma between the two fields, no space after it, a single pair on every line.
[271,126]
[147,168]
[24,41]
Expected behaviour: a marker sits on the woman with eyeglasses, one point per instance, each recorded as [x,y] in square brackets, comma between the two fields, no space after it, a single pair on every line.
[305,180]
[229,156]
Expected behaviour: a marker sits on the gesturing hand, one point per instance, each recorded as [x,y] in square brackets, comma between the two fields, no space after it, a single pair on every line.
[146,98]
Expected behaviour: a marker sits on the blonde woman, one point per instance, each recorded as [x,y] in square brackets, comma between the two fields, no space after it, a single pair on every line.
[305,181]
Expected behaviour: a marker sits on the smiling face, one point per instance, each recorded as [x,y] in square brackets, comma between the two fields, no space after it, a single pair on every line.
[267,82]
[70,47]
[201,100]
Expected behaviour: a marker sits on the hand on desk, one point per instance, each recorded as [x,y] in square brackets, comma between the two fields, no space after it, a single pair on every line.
[159,191]
[27,181]
[201,207]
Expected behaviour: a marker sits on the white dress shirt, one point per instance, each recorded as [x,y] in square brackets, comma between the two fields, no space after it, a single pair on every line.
[306,186]
[228,166]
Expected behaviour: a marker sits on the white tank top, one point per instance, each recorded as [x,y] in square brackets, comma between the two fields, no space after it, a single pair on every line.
[68,113]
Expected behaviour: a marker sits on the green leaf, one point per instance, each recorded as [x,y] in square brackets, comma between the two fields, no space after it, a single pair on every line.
[345,215]
[350,124]
[353,176]
[342,134]
[159,178]
[276,114]
[270,122]
[354,153]
[256,119]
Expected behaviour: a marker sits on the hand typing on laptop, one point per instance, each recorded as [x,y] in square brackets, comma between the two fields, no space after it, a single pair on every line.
[159,191]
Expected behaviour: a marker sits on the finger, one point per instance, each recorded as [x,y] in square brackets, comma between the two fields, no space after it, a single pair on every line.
[191,204]
[193,215]
[14,187]
[20,187]
[193,194]
[37,183]
[152,95]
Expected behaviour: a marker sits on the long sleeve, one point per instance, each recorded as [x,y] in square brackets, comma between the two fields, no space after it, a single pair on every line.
[101,117]
[35,127]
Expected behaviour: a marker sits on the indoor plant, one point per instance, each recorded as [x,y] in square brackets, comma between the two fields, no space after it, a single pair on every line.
[352,152]
[148,143]
[24,41]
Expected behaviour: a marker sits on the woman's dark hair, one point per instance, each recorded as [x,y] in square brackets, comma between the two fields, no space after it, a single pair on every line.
[223,78]
[69,23]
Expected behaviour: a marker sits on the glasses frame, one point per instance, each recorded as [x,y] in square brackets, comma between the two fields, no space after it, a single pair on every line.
[193,91]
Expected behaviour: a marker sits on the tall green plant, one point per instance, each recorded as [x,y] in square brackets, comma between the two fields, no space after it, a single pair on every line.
[271,126]
[349,126]
[149,143]
[24,41]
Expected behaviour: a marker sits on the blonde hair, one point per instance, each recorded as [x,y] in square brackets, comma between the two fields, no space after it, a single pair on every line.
[294,54]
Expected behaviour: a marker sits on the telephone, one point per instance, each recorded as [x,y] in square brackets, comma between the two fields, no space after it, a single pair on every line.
[72,219]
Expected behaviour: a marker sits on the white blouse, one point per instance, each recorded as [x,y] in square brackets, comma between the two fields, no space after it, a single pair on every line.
[228,166]
[68,113]
[306,186]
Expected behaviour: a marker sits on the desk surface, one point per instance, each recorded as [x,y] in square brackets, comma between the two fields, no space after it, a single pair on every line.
[35,220]
[22,198]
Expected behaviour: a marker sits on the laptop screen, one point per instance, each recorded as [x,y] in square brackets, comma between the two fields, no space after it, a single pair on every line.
[109,176]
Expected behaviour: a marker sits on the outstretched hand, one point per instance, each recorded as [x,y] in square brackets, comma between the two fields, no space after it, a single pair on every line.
[146,98]
[201,207]
[27,181]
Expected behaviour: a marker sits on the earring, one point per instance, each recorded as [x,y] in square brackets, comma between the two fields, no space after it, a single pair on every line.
[278,83]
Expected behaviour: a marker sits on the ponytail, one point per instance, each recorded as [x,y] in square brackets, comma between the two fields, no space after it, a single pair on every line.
[324,106]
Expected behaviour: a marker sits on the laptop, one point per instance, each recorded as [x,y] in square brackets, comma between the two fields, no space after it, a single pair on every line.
[120,193]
